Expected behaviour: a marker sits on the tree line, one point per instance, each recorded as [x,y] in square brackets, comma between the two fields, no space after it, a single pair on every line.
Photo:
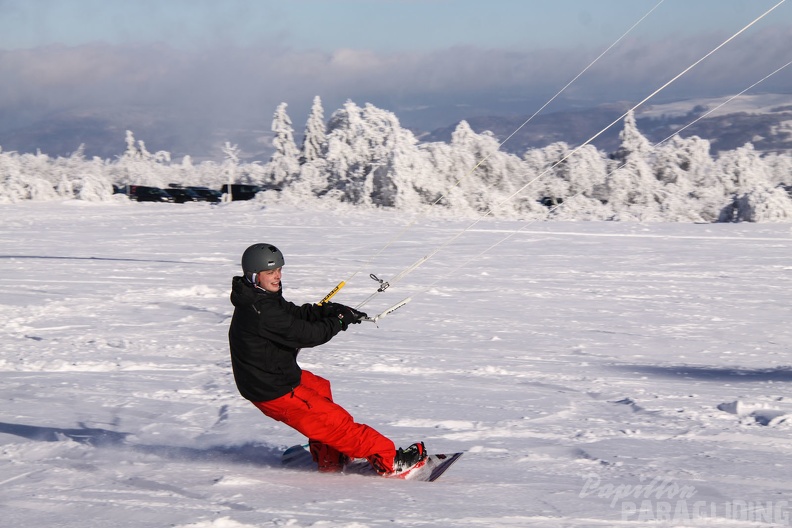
[362,157]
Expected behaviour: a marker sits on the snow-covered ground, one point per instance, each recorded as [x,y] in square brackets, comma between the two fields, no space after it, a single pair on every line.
[596,374]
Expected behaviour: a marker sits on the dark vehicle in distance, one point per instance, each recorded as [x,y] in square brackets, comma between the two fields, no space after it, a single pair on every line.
[181,195]
[142,193]
[206,194]
[240,191]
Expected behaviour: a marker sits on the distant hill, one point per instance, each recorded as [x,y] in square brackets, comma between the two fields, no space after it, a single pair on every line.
[102,131]
[765,121]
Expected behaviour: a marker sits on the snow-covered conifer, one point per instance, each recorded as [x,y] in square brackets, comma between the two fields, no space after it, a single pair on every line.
[633,192]
[284,163]
[315,139]
[633,143]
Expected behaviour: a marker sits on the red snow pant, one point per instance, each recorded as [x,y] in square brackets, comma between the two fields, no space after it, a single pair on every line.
[331,430]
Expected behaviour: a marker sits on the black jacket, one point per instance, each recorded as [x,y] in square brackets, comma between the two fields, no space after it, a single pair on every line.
[265,335]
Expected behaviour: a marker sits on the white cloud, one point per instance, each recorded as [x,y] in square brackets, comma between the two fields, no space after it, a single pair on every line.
[236,81]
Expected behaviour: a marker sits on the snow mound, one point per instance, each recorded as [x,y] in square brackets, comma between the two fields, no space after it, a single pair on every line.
[236,481]
[761,413]
[197,291]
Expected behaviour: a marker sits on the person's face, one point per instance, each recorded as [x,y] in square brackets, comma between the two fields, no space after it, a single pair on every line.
[270,280]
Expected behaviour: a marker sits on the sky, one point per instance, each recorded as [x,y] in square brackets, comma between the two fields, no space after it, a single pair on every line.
[375,25]
[226,64]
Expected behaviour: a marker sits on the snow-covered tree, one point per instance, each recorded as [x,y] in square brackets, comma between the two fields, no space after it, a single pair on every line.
[743,170]
[20,177]
[779,168]
[690,189]
[79,178]
[138,166]
[762,204]
[569,180]
[361,147]
[315,139]
[312,181]
[491,180]
[748,182]
[633,192]
[440,184]
[284,164]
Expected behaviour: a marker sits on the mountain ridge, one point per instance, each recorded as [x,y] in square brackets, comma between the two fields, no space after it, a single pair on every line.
[765,120]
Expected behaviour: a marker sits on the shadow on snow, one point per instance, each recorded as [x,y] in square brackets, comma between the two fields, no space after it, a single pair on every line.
[113,259]
[720,374]
[250,453]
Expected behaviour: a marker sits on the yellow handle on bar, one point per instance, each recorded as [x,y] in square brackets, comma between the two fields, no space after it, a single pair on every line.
[332,293]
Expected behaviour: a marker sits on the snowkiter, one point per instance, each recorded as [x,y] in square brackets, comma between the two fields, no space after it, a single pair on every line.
[265,336]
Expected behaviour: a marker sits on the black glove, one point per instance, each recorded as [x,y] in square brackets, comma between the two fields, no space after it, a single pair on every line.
[331,309]
[348,316]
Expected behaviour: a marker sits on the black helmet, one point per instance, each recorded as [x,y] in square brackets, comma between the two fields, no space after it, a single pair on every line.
[261,257]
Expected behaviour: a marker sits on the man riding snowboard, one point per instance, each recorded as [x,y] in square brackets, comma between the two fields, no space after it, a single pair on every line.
[265,335]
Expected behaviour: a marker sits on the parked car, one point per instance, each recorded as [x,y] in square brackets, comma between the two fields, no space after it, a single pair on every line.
[206,194]
[182,195]
[142,193]
[241,191]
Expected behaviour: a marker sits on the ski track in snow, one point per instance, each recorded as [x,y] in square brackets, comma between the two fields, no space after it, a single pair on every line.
[572,360]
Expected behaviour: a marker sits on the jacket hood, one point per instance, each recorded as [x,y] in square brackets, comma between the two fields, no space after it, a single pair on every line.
[245,294]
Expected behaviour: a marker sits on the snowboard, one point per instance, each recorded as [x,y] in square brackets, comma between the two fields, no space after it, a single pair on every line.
[299,457]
